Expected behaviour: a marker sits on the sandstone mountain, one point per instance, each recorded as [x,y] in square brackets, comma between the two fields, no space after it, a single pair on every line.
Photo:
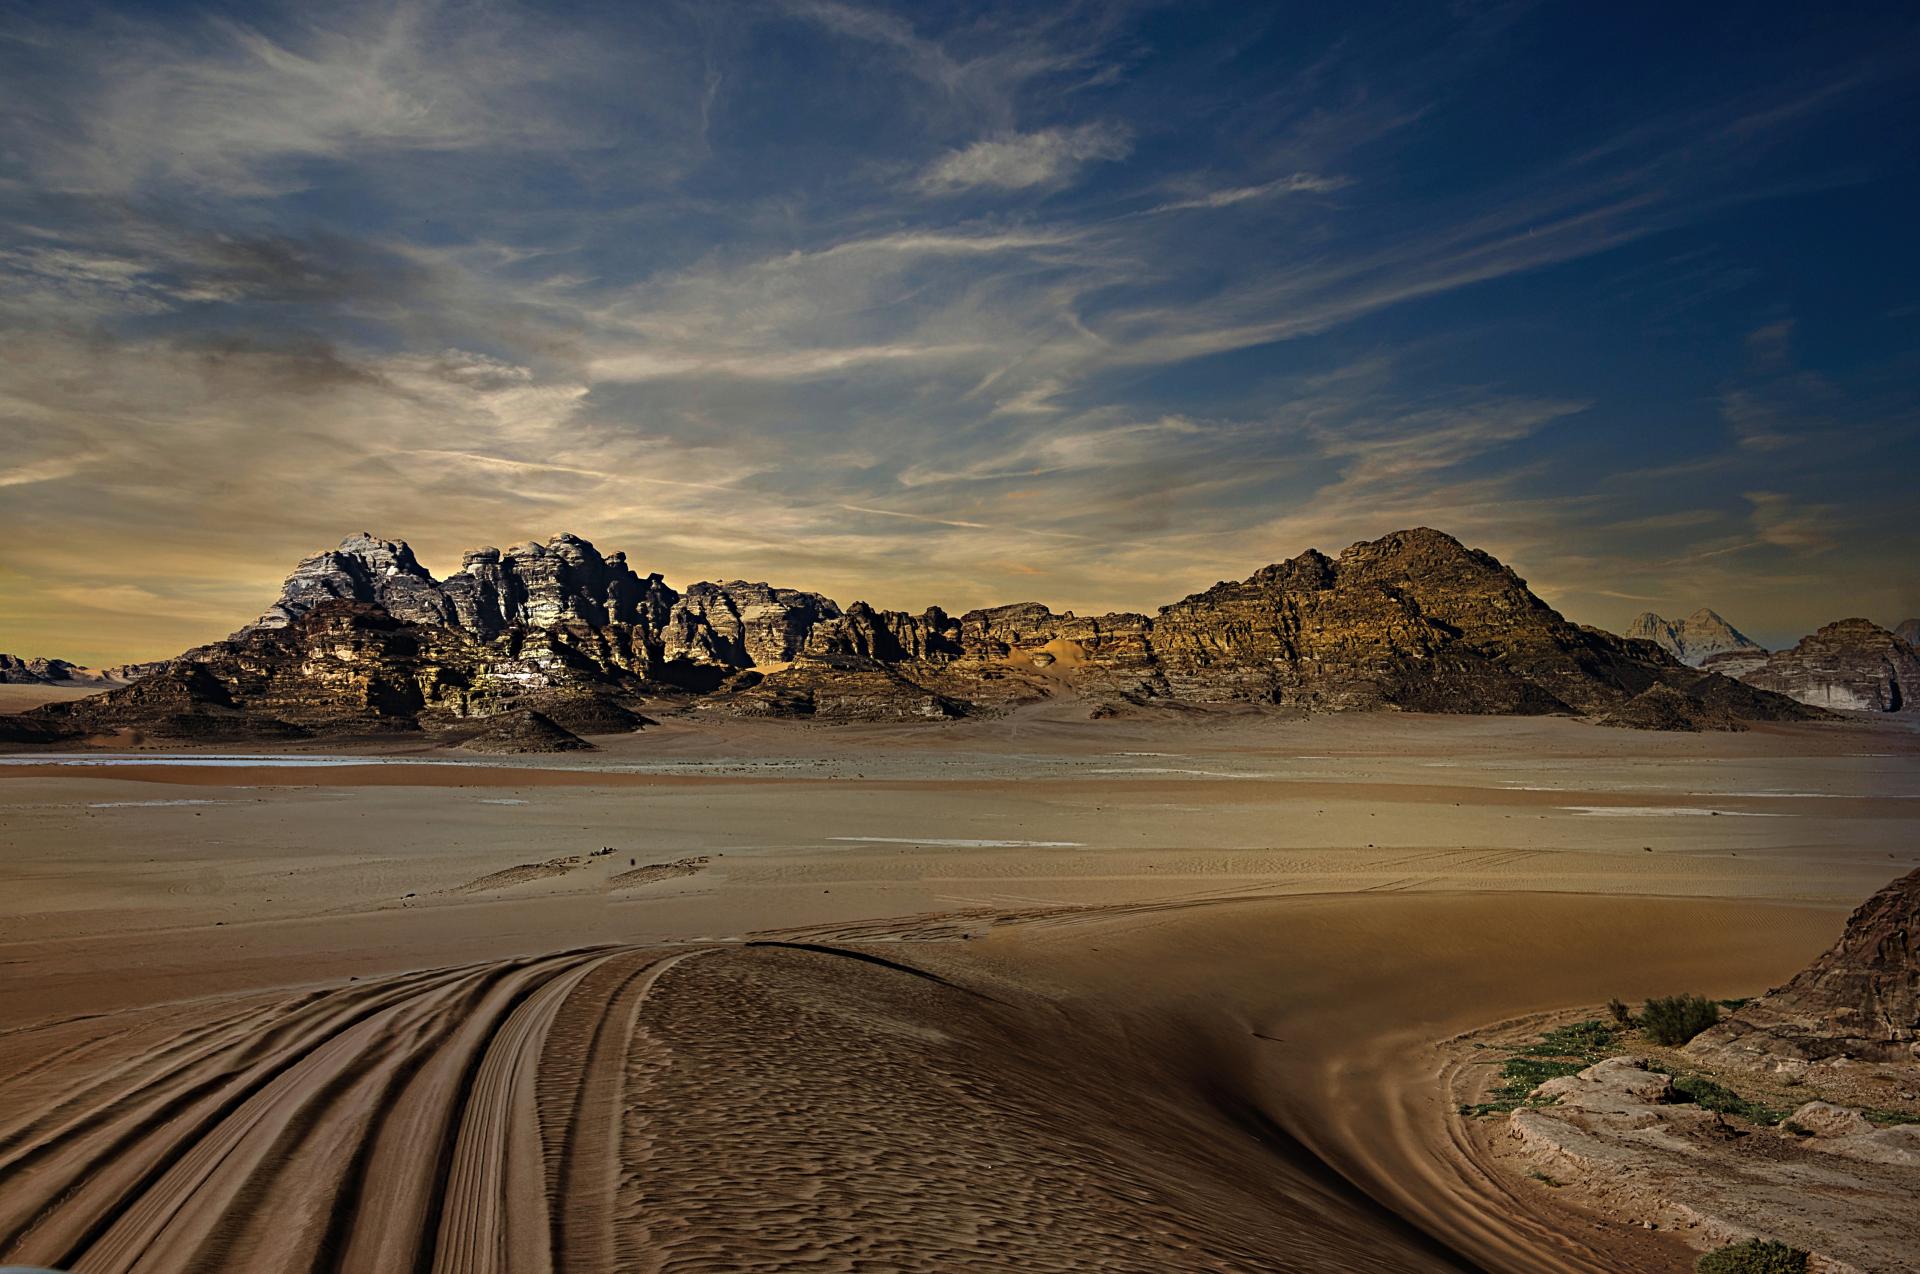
[1852,664]
[364,639]
[1695,639]
[1860,999]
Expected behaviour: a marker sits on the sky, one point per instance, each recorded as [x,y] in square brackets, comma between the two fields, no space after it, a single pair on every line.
[1094,304]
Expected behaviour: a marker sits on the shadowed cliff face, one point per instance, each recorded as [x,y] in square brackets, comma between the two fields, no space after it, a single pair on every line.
[364,637]
[1861,998]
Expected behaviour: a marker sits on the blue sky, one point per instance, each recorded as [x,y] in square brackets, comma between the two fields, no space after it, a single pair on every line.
[1094,304]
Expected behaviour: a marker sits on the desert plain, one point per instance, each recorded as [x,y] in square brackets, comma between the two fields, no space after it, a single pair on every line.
[1172,991]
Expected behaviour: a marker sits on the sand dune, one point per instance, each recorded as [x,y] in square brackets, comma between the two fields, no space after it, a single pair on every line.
[969,1008]
[1051,1096]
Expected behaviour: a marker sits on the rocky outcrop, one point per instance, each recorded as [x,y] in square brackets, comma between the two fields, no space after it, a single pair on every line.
[1418,621]
[524,730]
[1861,999]
[181,702]
[1661,707]
[1623,1141]
[741,625]
[840,688]
[890,636]
[1908,630]
[1695,639]
[1853,665]
[364,637]
[349,667]
[363,569]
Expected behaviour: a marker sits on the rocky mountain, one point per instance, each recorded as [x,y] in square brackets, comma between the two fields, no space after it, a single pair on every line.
[1695,639]
[1852,664]
[365,639]
[18,671]
[1860,999]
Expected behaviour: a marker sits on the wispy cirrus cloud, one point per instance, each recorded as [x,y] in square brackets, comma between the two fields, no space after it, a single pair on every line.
[888,299]
[1227,197]
[1020,161]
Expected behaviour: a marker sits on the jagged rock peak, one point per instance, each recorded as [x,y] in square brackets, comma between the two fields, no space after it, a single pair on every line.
[364,568]
[1695,639]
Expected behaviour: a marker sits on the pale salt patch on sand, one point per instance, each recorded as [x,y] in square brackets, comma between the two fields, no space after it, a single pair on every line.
[501,800]
[955,843]
[1661,811]
[1198,774]
[133,805]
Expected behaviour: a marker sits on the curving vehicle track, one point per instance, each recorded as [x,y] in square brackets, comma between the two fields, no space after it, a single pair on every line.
[763,1105]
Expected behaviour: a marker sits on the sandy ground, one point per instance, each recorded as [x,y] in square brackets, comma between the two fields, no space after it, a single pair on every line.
[20,698]
[1190,985]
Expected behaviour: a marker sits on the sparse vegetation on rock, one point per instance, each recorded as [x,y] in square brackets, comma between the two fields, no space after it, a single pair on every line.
[1755,1256]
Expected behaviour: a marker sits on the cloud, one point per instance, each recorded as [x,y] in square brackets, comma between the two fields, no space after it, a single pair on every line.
[1021,161]
[1298,183]
[493,269]
[1783,522]
[49,470]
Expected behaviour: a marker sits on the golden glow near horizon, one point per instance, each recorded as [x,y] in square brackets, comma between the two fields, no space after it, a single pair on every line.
[1035,314]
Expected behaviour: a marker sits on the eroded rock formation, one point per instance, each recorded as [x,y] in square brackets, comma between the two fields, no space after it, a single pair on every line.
[1860,999]
[1854,665]
[364,638]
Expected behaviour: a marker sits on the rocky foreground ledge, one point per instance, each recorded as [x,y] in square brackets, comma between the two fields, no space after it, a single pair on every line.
[363,639]
[1795,1121]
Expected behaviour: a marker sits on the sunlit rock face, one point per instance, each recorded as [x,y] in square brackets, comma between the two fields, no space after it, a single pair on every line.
[1414,620]
[1695,639]
[363,569]
[742,625]
[363,637]
[1853,665]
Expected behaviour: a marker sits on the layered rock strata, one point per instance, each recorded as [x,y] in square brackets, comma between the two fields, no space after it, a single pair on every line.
[1854,665]
[364,637]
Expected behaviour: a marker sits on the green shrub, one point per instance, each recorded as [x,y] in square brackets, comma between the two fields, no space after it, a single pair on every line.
[1675,1019]
[1622,1015]
[1753,1257]
[1717,1097]
[1888,1118]
[1590,1041]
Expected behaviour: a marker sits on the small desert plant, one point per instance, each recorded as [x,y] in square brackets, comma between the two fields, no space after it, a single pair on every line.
[1723,1100]
[1622,1015]
[1589,1041]
[1675,1019]
[1755,1256]
[1887,1118]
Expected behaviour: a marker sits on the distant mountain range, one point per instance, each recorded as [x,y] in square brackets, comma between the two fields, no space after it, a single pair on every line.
[544,642]
[16,670]
[1692,640]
